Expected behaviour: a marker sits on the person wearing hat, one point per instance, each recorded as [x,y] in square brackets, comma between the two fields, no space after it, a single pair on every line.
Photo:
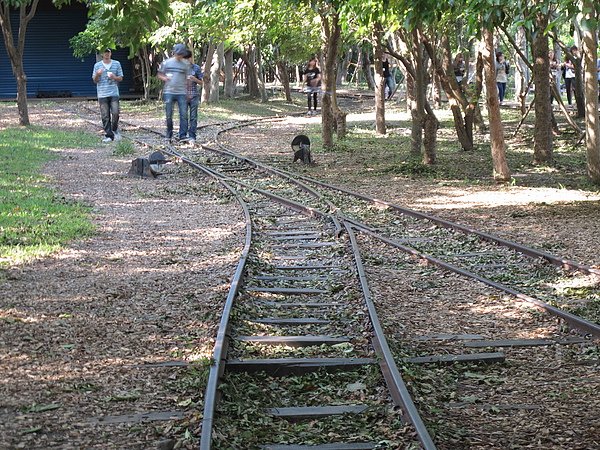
[174,72]
[107,74]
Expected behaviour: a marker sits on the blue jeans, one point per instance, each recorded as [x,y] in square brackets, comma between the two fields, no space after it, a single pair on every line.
[109,112]
[192,109]
[501,91]
[389,82]
[170,99]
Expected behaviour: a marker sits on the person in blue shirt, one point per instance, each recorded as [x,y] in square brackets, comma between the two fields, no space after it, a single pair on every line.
[174,72]
[194,78]
[107,74]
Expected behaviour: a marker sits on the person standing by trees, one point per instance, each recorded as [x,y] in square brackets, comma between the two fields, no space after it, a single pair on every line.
[107,74]
[387,76]
[312,77]
[194,78]
[459,67]
[174,72]
[502,71]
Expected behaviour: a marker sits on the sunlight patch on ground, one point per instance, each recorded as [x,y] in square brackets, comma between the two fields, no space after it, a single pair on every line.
[515,196]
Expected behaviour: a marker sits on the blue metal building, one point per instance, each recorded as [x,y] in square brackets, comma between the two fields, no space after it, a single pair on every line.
[49,64]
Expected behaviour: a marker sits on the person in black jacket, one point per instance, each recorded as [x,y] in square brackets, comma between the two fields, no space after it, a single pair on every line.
[312,77]
[387,75]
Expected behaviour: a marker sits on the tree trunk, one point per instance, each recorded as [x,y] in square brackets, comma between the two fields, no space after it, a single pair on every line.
[417,110]
[285,79]
[456,96]
[330,32]
[260,70]
[215,73]
[542,145]
[579,97]
[592,126]
[431,125]
[500,170]
[379,80]
[15,52]
[366,69]
[251,73]
[229,87]
[521,70]
[343,68]
[206,81]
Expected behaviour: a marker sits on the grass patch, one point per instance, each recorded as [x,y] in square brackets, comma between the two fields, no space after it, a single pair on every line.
[124,148]
[34,220]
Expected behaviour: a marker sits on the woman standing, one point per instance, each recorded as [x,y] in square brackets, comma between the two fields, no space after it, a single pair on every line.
[569,74]
[312,77]
[502,69]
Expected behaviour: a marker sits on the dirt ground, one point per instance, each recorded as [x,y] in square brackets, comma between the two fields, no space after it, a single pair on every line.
[149,286]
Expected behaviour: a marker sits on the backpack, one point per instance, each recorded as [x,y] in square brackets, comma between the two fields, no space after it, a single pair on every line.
[507,68]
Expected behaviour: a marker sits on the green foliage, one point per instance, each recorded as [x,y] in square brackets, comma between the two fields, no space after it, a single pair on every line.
[34,220]
[124,148]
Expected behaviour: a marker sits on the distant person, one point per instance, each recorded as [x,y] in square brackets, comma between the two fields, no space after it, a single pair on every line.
[502,71]
[388,78]
[174,72]
[569,74]
[312,78]
[107,74]
[460,67]
[192,98]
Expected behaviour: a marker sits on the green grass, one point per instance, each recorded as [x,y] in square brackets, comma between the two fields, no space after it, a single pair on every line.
[36,221]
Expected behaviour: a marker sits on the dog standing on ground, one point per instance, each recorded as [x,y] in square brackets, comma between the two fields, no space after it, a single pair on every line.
[301,147]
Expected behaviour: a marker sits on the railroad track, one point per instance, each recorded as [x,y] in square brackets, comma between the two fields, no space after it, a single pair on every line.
[277,199]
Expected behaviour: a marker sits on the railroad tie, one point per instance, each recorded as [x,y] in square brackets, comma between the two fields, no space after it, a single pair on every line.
[291,321]
[286,290]
[296,366]
[294,341]
[299,304]
[524,342]
[297,413]
[333,446]
[451,359]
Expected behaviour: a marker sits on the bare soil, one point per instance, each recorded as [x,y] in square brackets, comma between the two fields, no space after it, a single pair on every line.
[149,286]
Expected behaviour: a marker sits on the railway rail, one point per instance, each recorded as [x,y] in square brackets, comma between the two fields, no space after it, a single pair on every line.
[302,263]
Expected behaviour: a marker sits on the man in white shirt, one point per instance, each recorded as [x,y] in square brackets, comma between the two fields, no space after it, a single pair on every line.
[107,75]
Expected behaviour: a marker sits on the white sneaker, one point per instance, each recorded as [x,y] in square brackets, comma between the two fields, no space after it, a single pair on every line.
[192,141]
[118,136]
[106,140]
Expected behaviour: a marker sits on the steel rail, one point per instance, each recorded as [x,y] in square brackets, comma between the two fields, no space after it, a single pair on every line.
[396,385]
[299,207]
[222,340]
[528,251]
[332,208]
[575,321]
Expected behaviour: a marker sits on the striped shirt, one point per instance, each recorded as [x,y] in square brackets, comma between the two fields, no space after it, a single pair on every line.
[105,86]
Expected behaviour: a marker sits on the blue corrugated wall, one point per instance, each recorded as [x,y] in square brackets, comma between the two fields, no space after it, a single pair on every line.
[48,60]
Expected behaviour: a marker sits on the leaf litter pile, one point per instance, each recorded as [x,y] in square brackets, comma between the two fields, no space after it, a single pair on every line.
[77,329]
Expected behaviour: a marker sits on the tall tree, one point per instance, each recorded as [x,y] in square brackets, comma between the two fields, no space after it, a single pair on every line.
[542,145]
[27,9]
[591,15]
[500,165]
